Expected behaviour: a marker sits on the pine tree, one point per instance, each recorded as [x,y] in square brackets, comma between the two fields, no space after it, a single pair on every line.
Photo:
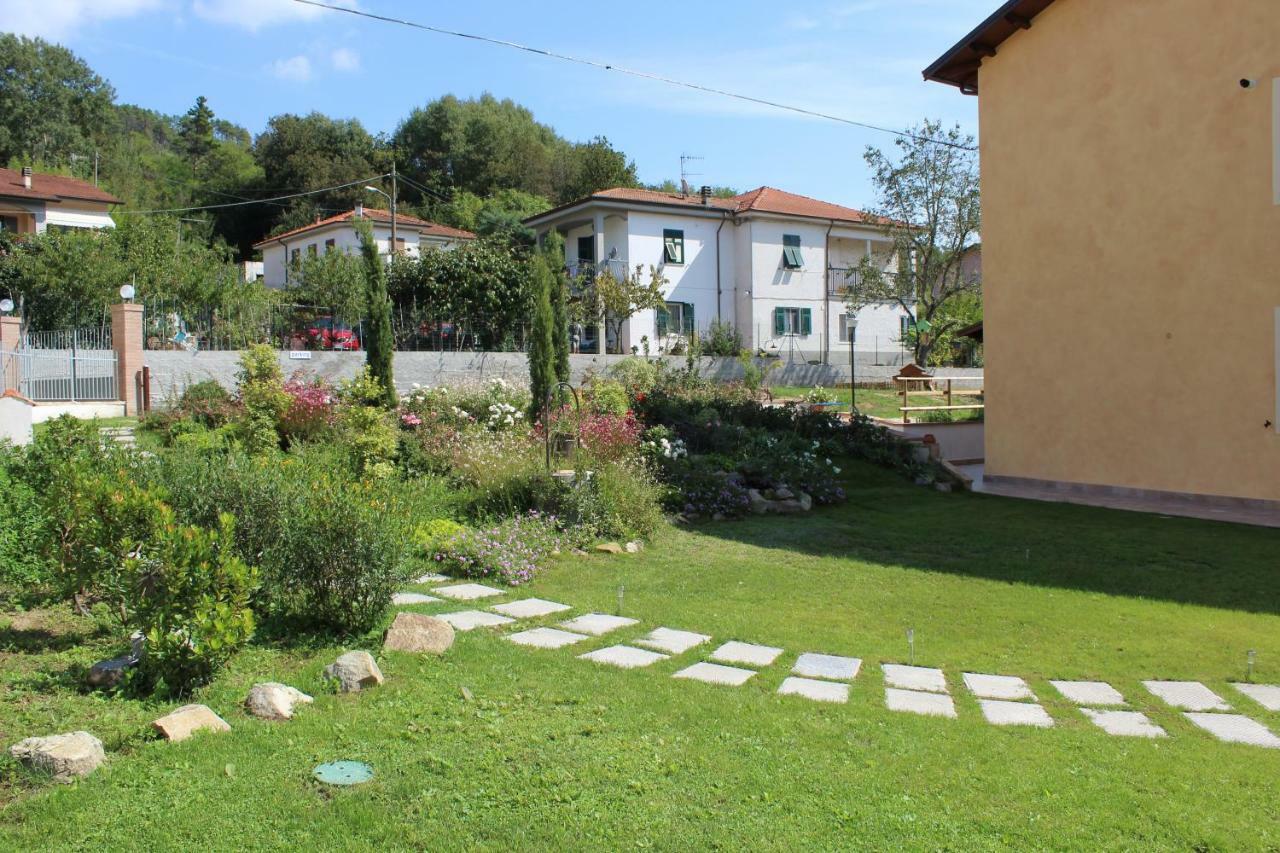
[542,355]
[379,346]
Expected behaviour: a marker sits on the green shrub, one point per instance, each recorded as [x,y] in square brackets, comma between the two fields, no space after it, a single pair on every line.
[23,526]
[193,606]
[722,339]
[637,375]
[207,403]
[432,537]
[370,435]
[608,397]
[260,384]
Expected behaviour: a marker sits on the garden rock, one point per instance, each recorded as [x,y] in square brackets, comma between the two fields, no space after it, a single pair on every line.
[354,671]
[634,547]
[609,548]
[761,505]
[415,632]
[187,720]
[806,502]
[273,701]
[66,757]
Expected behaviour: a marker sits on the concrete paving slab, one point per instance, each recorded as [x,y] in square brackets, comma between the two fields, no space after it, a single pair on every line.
[915,702]
[413,598]
[1266,695]
[672,641]
[830,667]
[1001,713]
[1187,695]
[714,673]
[997,686]
[467,591]
[432,577]
[819,691]
[1235,728]
[597,624]
[746,653]
[467,620]
[1124,723]
[906,677]
[624,656]
[529,608]
[1089,692]
[546,638]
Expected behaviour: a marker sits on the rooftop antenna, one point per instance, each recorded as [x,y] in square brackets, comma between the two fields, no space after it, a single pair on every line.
[685,174]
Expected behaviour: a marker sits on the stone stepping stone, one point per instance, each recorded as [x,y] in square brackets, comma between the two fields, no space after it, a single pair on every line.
[467,620]
[1124,723]
[906,677]
[1008,687]
[624,656]
[1187,695]
[915,702]
[672,641]
[598,624]
[714,673]
[1001,713]
[746,653]
[467,591]
[830,667]
[546,638]
[528,608]
[432,577]
[818,691]
[1266,695]
[413,598]
[1235,728]
[1089,692]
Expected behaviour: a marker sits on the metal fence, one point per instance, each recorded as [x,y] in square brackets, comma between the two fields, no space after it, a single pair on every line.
[46,375]
[83,338]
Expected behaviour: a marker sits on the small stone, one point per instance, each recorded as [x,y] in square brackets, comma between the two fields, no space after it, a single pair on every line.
[915,702]
[714,673]
[782,493]
[625,657]
[818,691]
[354,671]
[65,757]
[1001,713]
[184,722]
[671,641]
[1235,728]
[758,503]
[469,620]
[109,673]
[273,701]
[830,667]
[432,577]
[546,638]
[914,677]
[632,547]
[467,591]
[1089,692]
[718,516]
[942,487]
[1187,695]
[1266,695]
[609,548]
[403,598]
[416,632]
[997,686]
[597,624]
[805,501]
[1124,723]
[746,653]
[528,608]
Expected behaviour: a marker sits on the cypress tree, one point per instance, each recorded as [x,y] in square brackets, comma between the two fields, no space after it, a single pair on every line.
[560,323]
[379,346]
[542,355]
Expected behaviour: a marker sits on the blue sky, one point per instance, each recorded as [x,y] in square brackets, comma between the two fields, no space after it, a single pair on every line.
[257,58]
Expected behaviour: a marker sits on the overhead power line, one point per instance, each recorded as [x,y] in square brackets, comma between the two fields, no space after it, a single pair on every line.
[265,200]
[607,66]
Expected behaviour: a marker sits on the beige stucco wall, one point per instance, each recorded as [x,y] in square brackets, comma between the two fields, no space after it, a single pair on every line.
[1131,247]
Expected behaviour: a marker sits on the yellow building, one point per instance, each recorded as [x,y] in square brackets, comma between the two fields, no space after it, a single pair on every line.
[1130,154]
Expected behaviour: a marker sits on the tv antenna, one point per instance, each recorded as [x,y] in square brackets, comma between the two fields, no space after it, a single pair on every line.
[685,174]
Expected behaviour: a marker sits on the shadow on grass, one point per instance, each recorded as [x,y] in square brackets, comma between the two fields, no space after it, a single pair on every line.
[39,640]
[1113,552]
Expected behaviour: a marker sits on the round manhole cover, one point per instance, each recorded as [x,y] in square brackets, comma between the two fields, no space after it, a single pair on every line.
[344,773]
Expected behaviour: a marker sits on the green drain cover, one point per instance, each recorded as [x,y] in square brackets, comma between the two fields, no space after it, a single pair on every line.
[344,773]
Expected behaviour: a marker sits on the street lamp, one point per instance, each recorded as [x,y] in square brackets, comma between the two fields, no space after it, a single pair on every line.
[126,292]
[391,199]
[6,305]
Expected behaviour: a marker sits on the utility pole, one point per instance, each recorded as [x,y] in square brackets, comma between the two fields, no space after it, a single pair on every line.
[394,246]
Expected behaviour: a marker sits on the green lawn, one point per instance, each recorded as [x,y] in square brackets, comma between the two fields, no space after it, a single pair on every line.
[496,746]
[887,403]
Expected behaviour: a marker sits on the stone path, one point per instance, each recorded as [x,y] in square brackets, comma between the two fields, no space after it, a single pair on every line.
[1003,700]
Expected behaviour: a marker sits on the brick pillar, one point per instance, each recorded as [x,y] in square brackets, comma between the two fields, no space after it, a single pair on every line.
[126,340]
[10,337]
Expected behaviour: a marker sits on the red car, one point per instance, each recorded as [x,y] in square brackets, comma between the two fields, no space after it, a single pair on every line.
[329,334]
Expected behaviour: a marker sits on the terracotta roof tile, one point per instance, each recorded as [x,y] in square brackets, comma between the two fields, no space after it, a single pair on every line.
[759,200]
[422,226]
[52,188]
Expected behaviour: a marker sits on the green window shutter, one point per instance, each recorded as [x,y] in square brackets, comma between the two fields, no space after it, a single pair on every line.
[688,318]
[664,321]
[672,246]
[779,322]
[806,321]
[792,259]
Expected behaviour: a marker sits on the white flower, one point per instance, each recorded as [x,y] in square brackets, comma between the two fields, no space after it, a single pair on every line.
[835,470]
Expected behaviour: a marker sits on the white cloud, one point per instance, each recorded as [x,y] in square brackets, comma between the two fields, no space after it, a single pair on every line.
[345,59]
[253,15]
[57,19]
[295,68]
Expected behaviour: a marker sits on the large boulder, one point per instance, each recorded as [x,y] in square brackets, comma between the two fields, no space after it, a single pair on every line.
[66,757]
[610,548]
[416,632]
[354,671]
[273,701]
[187,720]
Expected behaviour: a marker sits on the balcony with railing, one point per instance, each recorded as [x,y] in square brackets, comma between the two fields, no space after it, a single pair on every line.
[841,279]
[586,269]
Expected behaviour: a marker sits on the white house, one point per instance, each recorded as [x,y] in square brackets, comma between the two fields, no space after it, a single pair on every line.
[771,263]
[31,203]
[282,253]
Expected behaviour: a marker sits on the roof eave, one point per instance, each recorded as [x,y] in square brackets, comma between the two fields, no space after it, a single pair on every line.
[960,64]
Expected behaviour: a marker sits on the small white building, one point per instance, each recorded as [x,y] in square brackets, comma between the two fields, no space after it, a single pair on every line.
[32,203]
[283,253]
[773,264]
